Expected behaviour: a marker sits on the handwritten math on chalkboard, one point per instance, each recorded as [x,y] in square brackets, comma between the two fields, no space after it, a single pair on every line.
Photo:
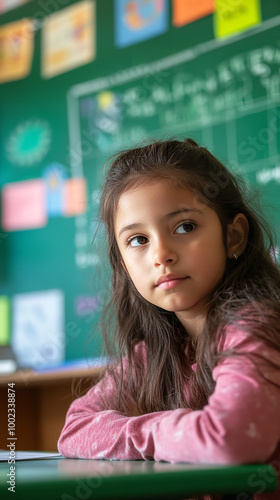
[94,77]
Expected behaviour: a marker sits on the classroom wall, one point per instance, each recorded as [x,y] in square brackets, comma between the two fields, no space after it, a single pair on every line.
[82,80]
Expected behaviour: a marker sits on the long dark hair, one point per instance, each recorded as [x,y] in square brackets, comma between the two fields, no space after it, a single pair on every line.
[251,284]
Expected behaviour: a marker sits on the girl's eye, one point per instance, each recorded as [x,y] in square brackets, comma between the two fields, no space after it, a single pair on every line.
[186,227]
[137,241]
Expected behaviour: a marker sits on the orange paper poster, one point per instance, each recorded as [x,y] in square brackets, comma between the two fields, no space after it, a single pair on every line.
[68,39]
[75,196]
[24,205]
[16,50]
[233,17]
[187,11]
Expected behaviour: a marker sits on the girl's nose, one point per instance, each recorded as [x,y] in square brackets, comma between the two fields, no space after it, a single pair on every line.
[164,255]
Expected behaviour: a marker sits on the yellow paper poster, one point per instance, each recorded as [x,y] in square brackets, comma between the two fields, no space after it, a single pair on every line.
[233,17]
[4,320]
[16,50]
[187,11]
[68,39]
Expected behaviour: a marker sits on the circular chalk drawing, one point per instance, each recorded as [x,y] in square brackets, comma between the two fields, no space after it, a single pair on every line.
[29,143]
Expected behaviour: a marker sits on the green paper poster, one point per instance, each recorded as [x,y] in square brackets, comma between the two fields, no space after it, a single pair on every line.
[4,321]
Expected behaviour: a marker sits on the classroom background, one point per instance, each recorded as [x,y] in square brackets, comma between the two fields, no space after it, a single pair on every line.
[80,80]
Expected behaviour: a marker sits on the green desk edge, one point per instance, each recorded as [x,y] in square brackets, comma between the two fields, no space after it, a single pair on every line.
[73,479]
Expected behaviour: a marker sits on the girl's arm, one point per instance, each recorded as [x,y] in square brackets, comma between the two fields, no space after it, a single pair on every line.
[240,424]
[92,431]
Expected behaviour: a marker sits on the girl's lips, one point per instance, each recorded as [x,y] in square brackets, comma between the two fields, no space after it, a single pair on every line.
[167,283]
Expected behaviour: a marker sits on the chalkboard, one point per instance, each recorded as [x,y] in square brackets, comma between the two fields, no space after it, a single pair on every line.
[223,92]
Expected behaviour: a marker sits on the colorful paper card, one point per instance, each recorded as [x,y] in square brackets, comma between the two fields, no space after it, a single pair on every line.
[75,196]
[38,337]
[187,11]
[68,39]
[138,20]
[88,304]
[4,320]
[54,177]
[23,205]
[16,50]
[234,17]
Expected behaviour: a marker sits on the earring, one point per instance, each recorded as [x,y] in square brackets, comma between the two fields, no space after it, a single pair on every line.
[235,255]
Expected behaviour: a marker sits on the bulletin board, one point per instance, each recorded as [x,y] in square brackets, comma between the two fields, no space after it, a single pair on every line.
[97,76]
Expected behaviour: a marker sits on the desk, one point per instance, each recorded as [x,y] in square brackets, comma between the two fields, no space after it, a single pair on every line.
[42,400]
[72,479]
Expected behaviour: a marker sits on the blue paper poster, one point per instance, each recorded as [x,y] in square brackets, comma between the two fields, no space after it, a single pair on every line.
[138,20]
[54,176]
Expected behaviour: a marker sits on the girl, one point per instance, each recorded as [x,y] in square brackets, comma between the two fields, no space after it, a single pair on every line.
[196,298]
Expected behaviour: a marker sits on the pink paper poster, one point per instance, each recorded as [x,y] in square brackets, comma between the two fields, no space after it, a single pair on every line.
[24,205]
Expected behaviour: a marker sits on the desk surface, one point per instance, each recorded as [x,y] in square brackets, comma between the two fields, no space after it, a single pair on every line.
[70,479]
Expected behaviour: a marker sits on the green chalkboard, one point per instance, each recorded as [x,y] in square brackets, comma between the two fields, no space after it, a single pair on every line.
[225,93]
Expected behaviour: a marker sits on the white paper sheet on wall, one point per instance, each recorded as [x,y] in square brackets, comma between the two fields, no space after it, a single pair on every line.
[10,4]
[38,337]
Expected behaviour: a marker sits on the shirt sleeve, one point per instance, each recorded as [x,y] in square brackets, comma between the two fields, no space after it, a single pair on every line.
[240,423]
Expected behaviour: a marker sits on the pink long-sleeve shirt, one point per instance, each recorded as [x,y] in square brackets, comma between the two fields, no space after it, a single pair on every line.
[239,425]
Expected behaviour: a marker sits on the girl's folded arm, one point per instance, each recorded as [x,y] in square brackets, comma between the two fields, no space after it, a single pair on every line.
[90,431]
[240,423]
[232,428]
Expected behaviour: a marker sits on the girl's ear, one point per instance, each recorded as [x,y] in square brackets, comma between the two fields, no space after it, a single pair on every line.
[237,236]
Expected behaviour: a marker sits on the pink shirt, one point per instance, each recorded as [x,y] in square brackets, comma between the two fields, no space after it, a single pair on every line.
[239,425]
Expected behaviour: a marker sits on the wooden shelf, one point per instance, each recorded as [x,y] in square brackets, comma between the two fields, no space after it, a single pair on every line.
[33,378]
[42,400]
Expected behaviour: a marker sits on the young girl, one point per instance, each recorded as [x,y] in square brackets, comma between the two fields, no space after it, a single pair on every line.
[196,293]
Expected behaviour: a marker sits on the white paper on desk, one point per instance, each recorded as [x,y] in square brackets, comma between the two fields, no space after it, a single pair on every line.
[28,455]
[38,337]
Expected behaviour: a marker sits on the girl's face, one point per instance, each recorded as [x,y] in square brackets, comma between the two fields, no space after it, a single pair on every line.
[172,247]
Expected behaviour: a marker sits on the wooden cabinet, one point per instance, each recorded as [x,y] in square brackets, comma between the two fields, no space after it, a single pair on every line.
[42,400]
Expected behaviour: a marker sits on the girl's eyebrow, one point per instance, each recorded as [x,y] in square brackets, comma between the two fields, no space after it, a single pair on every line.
[181,211]
[167,216]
